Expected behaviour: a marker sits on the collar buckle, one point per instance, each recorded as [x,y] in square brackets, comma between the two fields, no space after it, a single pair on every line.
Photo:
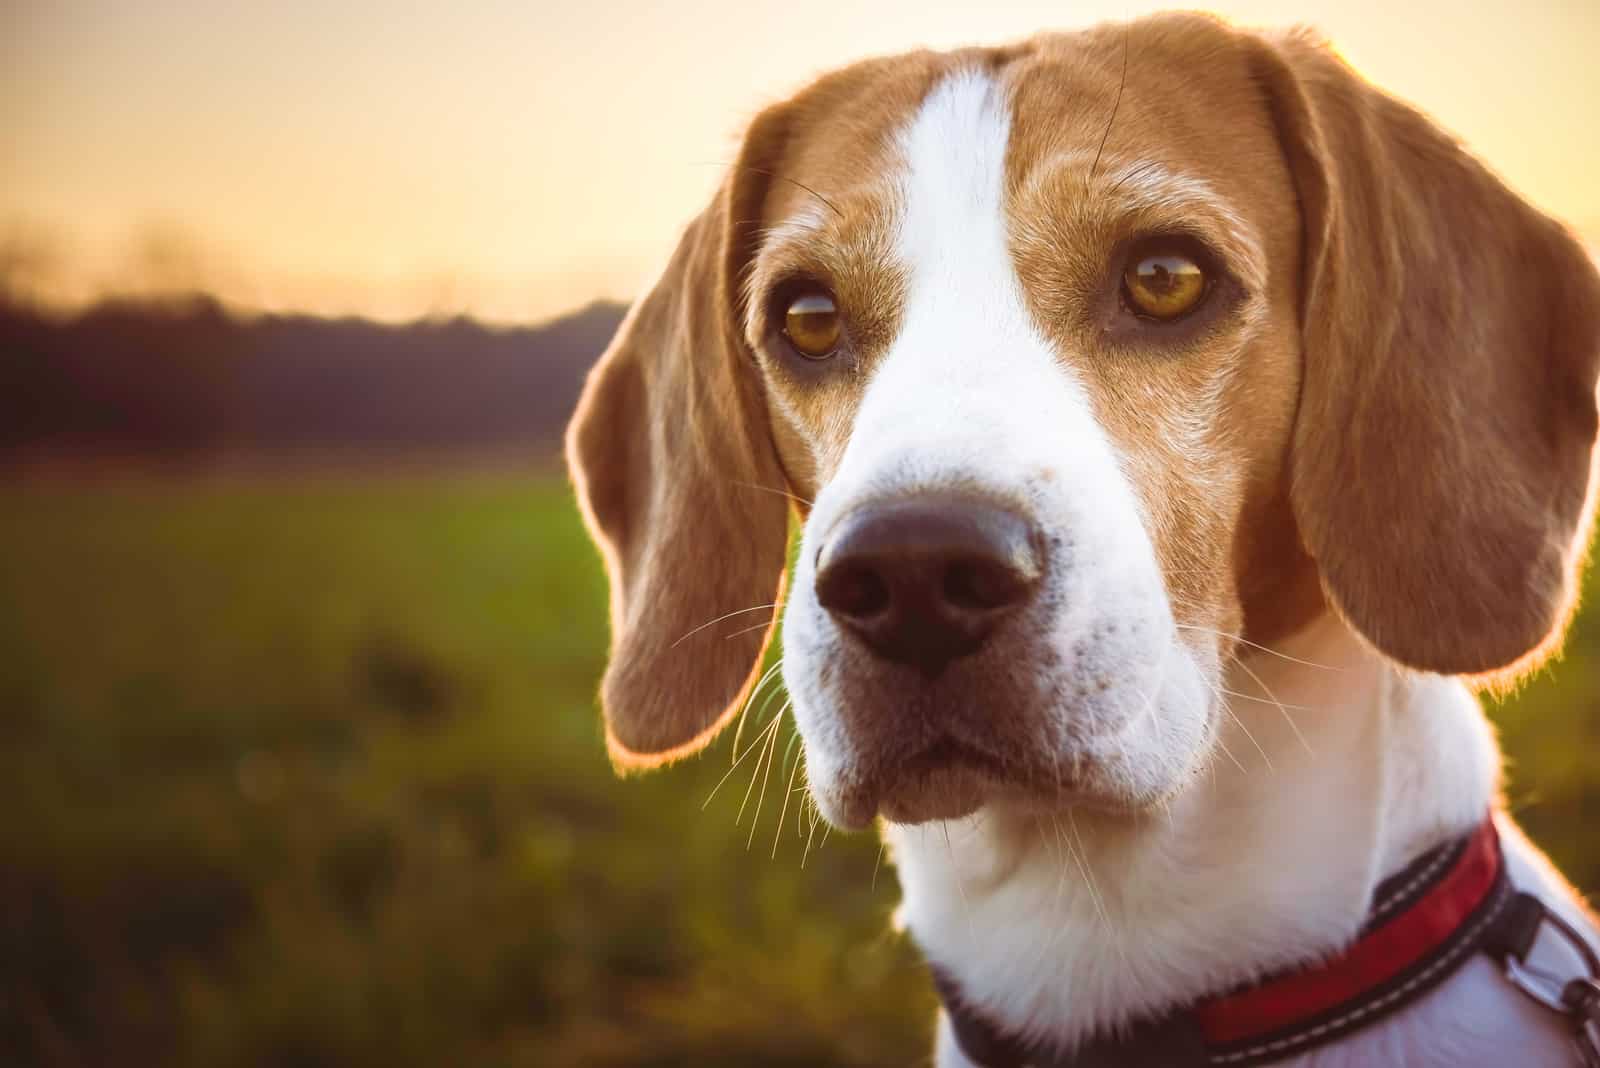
[1543,986]
[1561,973]
[1582,998]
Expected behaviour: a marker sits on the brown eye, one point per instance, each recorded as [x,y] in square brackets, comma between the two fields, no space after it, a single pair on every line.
[1163,285]
[812,325]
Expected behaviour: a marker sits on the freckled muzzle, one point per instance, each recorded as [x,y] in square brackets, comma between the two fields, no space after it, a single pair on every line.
[925,580]
[955,651]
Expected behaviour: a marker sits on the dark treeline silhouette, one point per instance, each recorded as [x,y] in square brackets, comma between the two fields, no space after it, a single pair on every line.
[184,378]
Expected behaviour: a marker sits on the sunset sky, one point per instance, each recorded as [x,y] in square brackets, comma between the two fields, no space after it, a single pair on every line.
[513,160]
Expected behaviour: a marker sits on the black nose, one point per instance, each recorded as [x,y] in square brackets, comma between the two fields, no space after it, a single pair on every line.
[924,581]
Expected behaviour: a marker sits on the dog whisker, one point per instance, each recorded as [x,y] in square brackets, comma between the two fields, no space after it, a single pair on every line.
[726,615]
[772,745]
[760,744]
[1293,726]
[1061,875]
[772,695]
[768,174]
[778,830]
[771,489]
[807,802]
[766,677]
[763,625]
[1240,723]
[1082,856]
[1217,692]
[1115,107]
[1263,700]
[1229,754]
[809,836]
[726,776]
[1257,646]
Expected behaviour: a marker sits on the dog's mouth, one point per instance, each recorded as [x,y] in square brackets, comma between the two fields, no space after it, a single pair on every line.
[950,778]
[946,779]
[946,753]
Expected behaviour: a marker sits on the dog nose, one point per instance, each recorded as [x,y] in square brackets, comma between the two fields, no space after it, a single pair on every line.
[924,581]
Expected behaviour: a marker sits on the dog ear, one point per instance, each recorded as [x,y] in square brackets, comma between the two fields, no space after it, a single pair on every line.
[679,484]
[1441,462]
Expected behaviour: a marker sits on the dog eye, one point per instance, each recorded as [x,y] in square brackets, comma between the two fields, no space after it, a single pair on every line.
[1162,284]
[812,324]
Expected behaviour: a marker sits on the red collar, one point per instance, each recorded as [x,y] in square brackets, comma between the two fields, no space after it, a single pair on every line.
[1430,906]
[1424,923]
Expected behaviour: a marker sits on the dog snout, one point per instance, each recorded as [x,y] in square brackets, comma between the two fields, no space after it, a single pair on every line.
[923,581]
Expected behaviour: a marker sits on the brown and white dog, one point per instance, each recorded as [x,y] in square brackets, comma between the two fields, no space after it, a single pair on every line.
[1176,421]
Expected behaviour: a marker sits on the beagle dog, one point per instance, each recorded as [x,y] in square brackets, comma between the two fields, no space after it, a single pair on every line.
[1179,429]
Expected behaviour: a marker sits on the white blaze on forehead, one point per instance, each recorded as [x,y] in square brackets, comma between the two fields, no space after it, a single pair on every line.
[969,378]
[952,230]
[952,233]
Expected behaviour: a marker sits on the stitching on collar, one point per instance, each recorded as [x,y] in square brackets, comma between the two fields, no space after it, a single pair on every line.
[1388,904]
[1466,944]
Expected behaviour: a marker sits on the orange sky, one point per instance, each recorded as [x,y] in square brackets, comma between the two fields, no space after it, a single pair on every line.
[512,160]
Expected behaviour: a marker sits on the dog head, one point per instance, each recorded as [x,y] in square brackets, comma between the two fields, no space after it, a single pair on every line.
[1086,361]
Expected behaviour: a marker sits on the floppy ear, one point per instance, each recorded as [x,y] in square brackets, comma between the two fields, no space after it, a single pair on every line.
[1441,457]
[680,486]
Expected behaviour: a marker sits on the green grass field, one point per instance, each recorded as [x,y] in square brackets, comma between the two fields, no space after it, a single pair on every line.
[303,773]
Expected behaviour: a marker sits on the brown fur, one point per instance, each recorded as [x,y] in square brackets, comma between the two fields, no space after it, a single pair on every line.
[1452,339]
[674,466]
[1392,410]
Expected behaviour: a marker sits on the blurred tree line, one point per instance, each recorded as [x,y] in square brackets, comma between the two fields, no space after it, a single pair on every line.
[182,377]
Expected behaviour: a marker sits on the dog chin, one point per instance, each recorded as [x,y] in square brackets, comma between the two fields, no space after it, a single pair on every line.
[944,781]
[949,795]
[941,794]
[950,781]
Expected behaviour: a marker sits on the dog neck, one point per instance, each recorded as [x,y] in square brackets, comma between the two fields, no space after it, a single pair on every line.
[1332,769]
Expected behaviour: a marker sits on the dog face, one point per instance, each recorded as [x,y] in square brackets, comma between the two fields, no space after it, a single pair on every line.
[1087,360]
